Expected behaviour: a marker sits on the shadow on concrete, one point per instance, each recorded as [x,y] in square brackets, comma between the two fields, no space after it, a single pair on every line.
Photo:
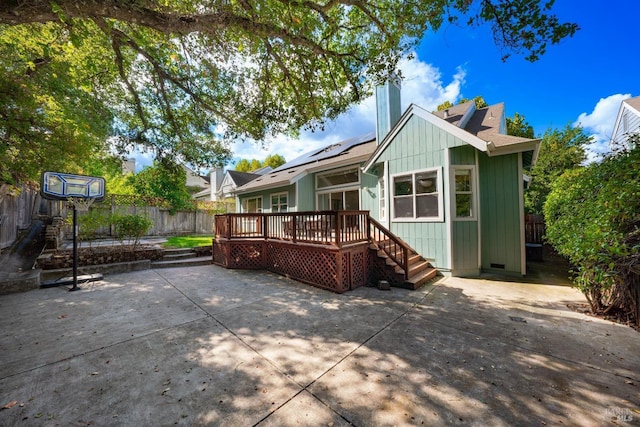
[208,346]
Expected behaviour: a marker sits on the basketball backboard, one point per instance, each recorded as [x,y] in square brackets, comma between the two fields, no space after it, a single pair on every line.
[62,186]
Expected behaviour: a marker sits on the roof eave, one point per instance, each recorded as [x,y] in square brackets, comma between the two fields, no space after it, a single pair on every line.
[533,144]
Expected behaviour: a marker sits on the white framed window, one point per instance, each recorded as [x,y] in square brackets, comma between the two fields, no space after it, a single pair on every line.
[280,202]
[252,205]
[382,200]
[417,196]
[339,200]
[464,193]
[338,190]
[338,178]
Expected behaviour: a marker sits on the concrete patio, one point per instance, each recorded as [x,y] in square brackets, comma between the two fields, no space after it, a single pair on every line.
[210,346]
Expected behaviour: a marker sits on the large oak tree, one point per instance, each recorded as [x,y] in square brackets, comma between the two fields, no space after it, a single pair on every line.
[185,77]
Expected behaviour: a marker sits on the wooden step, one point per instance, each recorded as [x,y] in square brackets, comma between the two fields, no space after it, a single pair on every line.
[426,275]
[414,258]
[418,267]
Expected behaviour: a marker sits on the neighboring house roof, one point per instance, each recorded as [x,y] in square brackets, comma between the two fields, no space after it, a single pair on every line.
[263,170]
[241,178]
[193,179]
[633,103]
[627,122]
[349,151]
[481,128]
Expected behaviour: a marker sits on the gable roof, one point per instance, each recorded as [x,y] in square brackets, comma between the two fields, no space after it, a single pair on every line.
[458,115]
[349,151]
[481,128]
[631,105]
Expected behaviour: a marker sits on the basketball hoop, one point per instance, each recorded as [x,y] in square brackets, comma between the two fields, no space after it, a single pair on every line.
[81,204]
[79,191]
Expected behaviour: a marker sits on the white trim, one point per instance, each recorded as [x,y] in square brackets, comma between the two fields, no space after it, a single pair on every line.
[532,145]
[335,171]
[441,195]
[280,193]
[477,161]
[382,202]
[252,198]
[296,196]
[342,190]
[474,186]
[523,254]
[448,215]
[415,110]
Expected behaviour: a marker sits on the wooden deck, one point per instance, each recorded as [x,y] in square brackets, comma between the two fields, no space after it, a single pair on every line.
[334,250]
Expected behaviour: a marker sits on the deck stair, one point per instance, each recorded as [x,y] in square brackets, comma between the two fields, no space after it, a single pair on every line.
[394,251]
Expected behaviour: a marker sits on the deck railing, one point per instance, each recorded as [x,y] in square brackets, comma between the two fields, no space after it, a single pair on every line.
[337,228]
[391,245]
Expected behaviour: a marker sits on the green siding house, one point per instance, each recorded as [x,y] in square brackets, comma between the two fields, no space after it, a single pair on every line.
[449,183]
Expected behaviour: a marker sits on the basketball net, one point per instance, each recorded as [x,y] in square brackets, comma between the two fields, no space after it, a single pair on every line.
[81,204]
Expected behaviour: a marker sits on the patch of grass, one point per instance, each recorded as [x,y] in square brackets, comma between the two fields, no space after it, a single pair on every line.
[187,241]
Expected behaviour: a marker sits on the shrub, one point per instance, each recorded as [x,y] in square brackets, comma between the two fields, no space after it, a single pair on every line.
[90,223]
[593,218]
[130,227]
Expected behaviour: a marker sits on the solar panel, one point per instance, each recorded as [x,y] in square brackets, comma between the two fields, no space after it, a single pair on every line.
[328,151]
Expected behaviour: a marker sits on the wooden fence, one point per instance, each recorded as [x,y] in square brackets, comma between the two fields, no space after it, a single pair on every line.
[198,220]
[18,211]
[534,229]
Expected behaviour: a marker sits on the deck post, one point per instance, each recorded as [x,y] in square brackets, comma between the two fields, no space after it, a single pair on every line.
[228,226]
[294,227]
[338,228]
[265,225]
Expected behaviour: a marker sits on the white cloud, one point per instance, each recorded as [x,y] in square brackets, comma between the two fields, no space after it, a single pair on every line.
[600,123]
[422,85]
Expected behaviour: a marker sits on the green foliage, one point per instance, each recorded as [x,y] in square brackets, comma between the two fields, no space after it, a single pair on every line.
[479,101]
[130,227]
[518,126]
[560,150]
[53,115]
[243,165]
[90,223]
[593,218]
[445,105]
[165,180]
[186,78]
[110,168]
[273,160]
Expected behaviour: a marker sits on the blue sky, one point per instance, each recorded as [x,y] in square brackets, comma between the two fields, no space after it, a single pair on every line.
[581,80]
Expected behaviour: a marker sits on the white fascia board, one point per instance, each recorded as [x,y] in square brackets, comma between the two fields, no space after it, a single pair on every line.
[616,125]
[534,145]
[415,110]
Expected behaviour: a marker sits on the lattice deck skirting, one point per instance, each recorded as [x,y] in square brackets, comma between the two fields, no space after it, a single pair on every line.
[328,267]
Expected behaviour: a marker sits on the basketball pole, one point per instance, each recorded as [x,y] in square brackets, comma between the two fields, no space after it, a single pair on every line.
[75,250]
